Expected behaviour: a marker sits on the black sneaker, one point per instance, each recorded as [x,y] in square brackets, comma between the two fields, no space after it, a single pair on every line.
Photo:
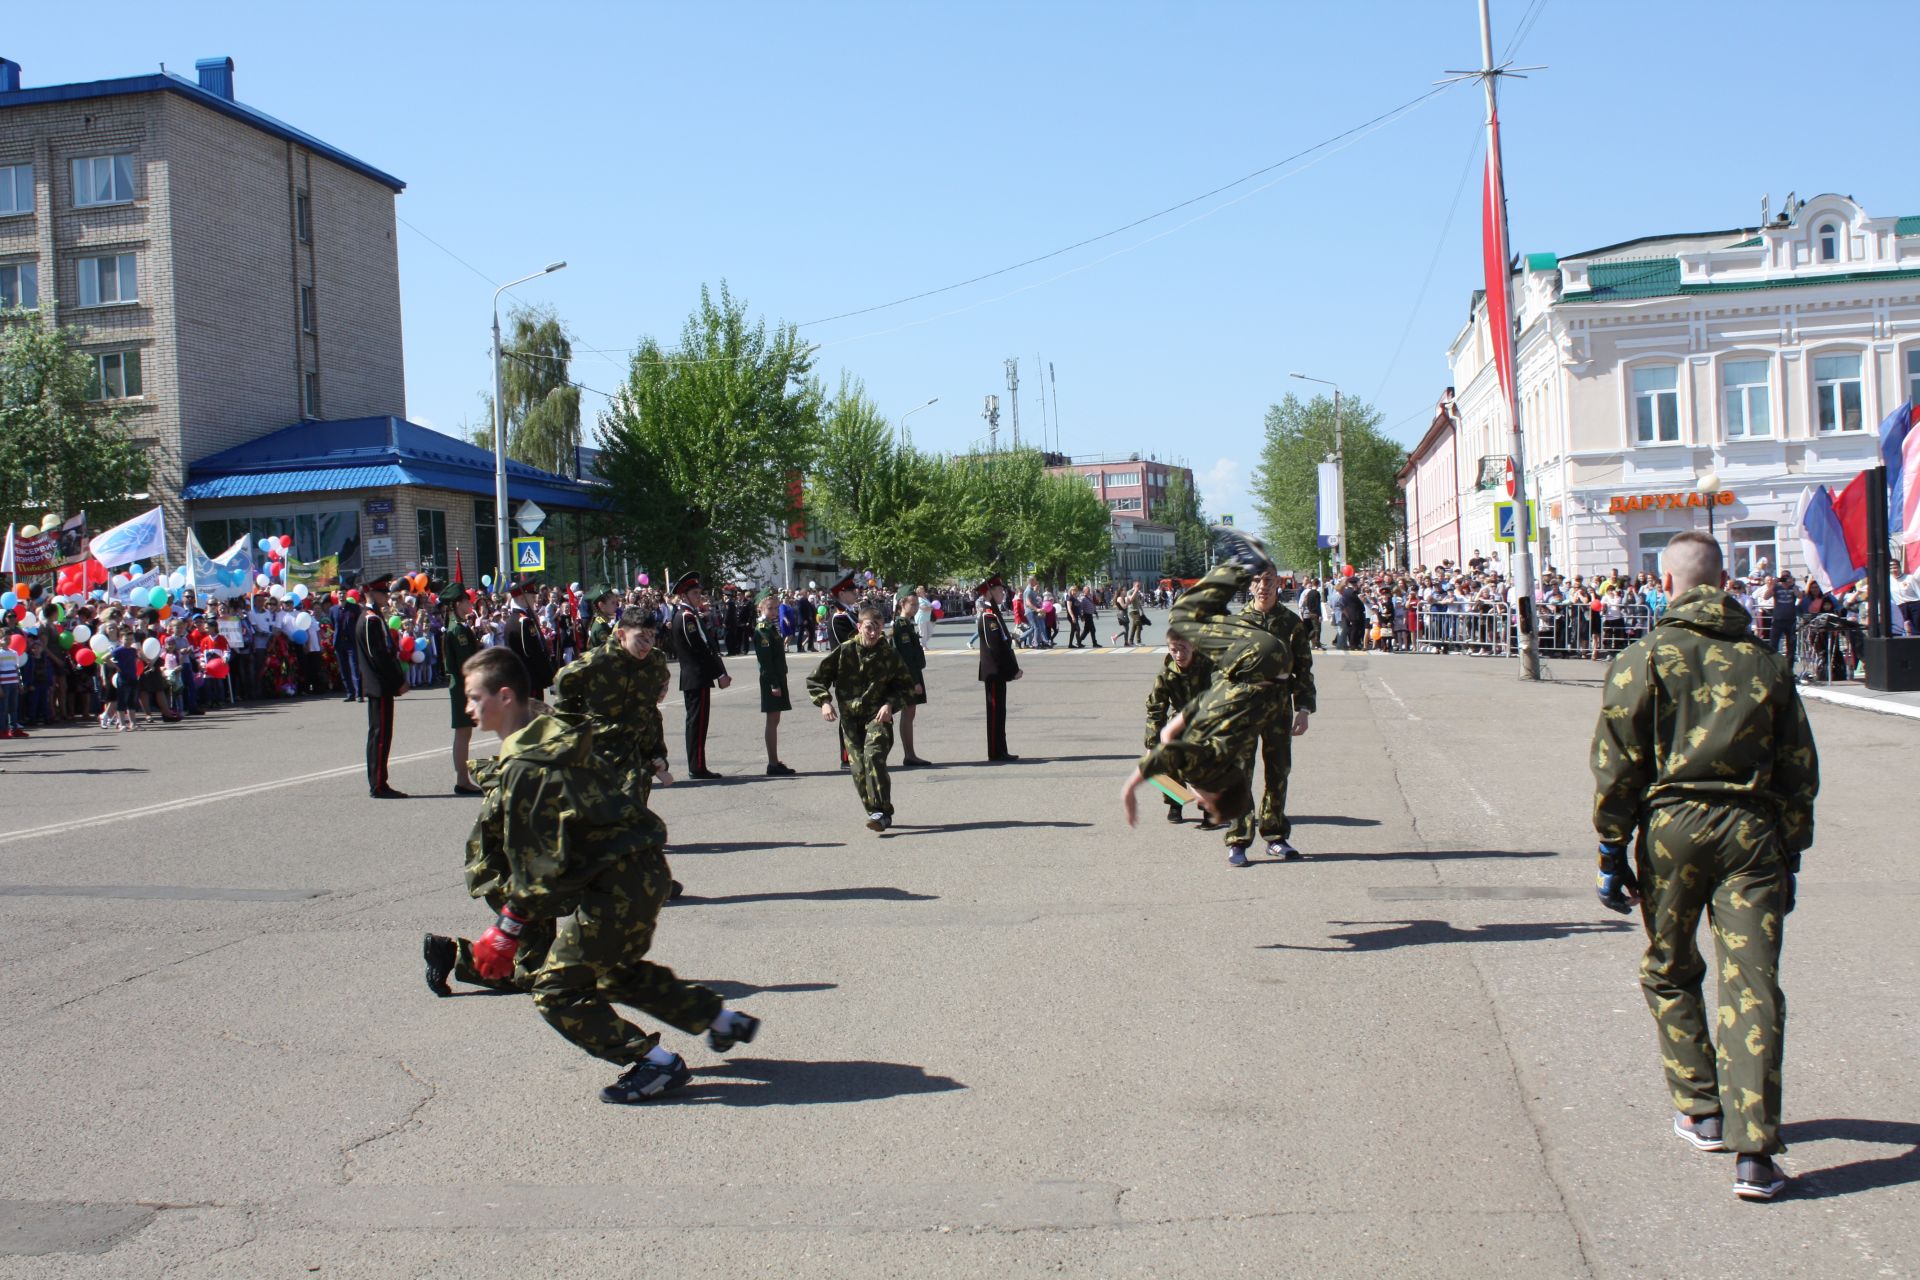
[442,954]
[675,889]
[1236,546]
[1207,824]
[645,1081]
[1175,816]
[876,821]
[779,770]
[1702,1133]
[742,1028]
[1758,1178]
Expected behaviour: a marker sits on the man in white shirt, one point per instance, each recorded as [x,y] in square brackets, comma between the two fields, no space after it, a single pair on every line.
[1906,602]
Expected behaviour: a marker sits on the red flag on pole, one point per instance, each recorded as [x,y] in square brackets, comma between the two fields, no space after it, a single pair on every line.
[1493,252]
[459,574]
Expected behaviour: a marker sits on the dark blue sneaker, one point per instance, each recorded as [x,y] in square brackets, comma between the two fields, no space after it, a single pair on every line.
[1758,1178]
[644,1081]
[731,1028]
[1236,546]
[1238,857]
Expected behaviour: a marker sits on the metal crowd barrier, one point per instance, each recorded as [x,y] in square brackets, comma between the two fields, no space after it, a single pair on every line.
[1463,629]
[1577,631]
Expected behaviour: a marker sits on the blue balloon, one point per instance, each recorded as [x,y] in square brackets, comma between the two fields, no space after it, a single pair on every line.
[135,570]
[8,600]
[299,637]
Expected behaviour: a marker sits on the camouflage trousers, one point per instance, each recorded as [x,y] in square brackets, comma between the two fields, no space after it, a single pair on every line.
[1224,724]
[1276,757]
[1729,863]
[536,939]
[599,960]
[866,743]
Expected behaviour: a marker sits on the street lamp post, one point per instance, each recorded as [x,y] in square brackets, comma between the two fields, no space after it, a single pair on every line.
[1710,486]
[1340,472]
[503,535]
[906,437]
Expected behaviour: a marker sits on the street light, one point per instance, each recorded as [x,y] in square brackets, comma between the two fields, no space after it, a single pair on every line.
[503,536]
[1709,486]
[1340,472]
[904,435]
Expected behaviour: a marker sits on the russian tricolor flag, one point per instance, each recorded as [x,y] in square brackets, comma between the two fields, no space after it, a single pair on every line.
[1900,451]
[1823,540]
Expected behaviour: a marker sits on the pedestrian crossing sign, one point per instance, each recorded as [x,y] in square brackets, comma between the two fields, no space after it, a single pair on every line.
[529,555]
[1503,521]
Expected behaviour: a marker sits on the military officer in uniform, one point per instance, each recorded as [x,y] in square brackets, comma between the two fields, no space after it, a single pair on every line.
[1293,702]
[770,654]
[701,669]
[1703,756]
[840,629]
[904,635]
[998,665]
[381,681]
[524,638]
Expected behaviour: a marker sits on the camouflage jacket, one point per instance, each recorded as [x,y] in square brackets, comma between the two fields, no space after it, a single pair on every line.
[555,817]
[619,695]
[1285,624]
[1698,709]
[862,678]
[1173,689]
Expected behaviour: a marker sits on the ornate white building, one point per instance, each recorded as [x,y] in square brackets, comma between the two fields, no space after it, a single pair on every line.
[1757,361]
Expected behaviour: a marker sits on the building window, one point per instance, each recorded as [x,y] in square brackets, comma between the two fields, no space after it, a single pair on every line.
[102,180]
[1123,504]
[486,553]
[1745,382]
[1913,376]
[433,541]
[1829,243]
[116,376]
[1651,545]
[1755,550]
[1093,478]
[306,309]
[16,189]
[108,280]
[303,217]
[19,285]
[1122,478]
[310,395]
[1656,404]
[1837,394]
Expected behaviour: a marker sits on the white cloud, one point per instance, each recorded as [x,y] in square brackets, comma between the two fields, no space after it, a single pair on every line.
[1220,489]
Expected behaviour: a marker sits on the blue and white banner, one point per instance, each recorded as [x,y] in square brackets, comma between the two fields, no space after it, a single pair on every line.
[1329,504]
[136,590]
[224,577]
[141,538]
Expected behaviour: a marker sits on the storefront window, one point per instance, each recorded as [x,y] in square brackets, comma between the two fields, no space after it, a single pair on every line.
[433,543]
[1651,545]
[1753,544]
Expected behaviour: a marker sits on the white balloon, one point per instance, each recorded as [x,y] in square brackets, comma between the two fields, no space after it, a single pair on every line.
[151,649]
[82,633]
[101,645]
[260,579]
[419,656]
[277,591]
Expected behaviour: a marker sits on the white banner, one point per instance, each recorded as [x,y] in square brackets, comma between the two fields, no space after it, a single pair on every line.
[229,575]
[1329,504]
[141,538]
[136,590]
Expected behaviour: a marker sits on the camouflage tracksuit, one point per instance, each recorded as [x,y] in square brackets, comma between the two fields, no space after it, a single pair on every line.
[862,678]
[487,875]
[1276,738]
[1703,749]
[1173,689]
[619,695]
[583,851]
[1224,722]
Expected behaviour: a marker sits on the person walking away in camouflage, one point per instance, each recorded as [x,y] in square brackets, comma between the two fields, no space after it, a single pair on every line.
[585,852]
[904,635]
[1183,677]
[1208,744]
[770,651]
[1703,752]
[868,680]
[1293,702]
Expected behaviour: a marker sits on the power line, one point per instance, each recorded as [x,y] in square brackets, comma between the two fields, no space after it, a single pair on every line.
[1173,208]
[1439,247]
[450,253]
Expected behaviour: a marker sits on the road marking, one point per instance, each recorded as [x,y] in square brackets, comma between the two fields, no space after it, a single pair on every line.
[1396,699]
[163,892]
[210,797]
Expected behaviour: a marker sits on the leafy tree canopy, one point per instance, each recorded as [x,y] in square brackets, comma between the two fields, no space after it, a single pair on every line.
[1285,485]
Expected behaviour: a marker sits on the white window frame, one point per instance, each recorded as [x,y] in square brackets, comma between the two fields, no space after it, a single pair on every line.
[1742,538]
[310,394]
[1666,537]
[303,217]
[1826,242]
[1124,480]
[1913,375]
[1123,504]
[126,275]
[1819,384]
[31,270]
[16,190]
[103,360]
[86,180]
[309,314]
[1635,396]
[1741,395]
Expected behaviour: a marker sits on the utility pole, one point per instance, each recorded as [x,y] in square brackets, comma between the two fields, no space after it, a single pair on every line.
[1057,442]
[1044,438]
[1013,397]
[992,414]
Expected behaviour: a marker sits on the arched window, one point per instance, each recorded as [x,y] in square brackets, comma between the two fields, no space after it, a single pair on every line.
[1829,243]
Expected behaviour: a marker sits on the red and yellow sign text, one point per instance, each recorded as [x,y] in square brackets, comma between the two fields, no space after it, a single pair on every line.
[1663,501]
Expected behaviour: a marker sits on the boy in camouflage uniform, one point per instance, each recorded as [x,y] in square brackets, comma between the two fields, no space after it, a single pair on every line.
[584,852]
[1184,677]
[1293,702]
[617,687]
[1703,752]
[871,683]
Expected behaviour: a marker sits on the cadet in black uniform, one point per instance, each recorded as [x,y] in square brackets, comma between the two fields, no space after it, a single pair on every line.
[701,669]
[524,638]
[905,638]
[840,629]
[381,681]
[997,664]
[771,653]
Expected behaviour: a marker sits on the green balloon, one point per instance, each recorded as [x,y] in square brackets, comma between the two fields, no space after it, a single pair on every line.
[396,623]
[66,639]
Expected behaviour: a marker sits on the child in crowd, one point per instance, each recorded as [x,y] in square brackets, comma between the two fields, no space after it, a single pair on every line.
[124,660]
[11,683]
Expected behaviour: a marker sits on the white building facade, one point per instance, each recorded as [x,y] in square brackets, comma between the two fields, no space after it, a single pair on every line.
[1752,362]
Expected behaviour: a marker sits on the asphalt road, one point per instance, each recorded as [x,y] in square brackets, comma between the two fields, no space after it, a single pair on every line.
[1011,1037]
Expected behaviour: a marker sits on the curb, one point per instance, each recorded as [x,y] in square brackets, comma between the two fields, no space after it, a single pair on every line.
[1862,703]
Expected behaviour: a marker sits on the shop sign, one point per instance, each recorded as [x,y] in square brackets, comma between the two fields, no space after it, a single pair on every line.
[1666,501]
[379,506]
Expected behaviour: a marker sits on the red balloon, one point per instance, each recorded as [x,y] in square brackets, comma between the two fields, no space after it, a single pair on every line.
[406,645]
[83,657]
[18,644]
[217,668]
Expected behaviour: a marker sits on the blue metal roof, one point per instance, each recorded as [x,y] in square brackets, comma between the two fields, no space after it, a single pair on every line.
[168,82]
[370,453]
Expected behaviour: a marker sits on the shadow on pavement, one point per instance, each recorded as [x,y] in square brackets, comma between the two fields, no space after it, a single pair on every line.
[1895,1170]
[873,894]
[1395,934]
[1334,820]
[741,990]
[1414,855]
[760,1082]
[675,847]
[33,772]
[908,828]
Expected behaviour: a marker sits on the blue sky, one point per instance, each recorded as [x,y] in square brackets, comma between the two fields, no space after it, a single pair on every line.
[828,157]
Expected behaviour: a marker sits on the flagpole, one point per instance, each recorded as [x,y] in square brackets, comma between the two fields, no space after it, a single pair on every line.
[1496,196]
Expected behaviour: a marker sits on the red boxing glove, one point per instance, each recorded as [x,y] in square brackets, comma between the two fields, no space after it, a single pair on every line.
[493,953]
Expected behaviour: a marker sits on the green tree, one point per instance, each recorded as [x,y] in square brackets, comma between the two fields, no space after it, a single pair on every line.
[1011,512]
[698,447]
[1181,509]
[885,503]
[1285,486]
[543,406]
[61,449]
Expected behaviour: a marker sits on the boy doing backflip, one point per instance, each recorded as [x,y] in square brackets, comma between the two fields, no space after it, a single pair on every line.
[870,682]
[1184,677]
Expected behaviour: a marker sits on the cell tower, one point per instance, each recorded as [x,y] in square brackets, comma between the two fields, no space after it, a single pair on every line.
[992,414]
[1013,397]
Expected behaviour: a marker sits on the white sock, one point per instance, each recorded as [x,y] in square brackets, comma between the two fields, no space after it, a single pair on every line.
[726,1021]
[659,1057]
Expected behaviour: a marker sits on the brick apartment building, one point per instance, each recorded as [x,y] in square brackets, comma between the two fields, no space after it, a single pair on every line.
[1133,487]
[235,278]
